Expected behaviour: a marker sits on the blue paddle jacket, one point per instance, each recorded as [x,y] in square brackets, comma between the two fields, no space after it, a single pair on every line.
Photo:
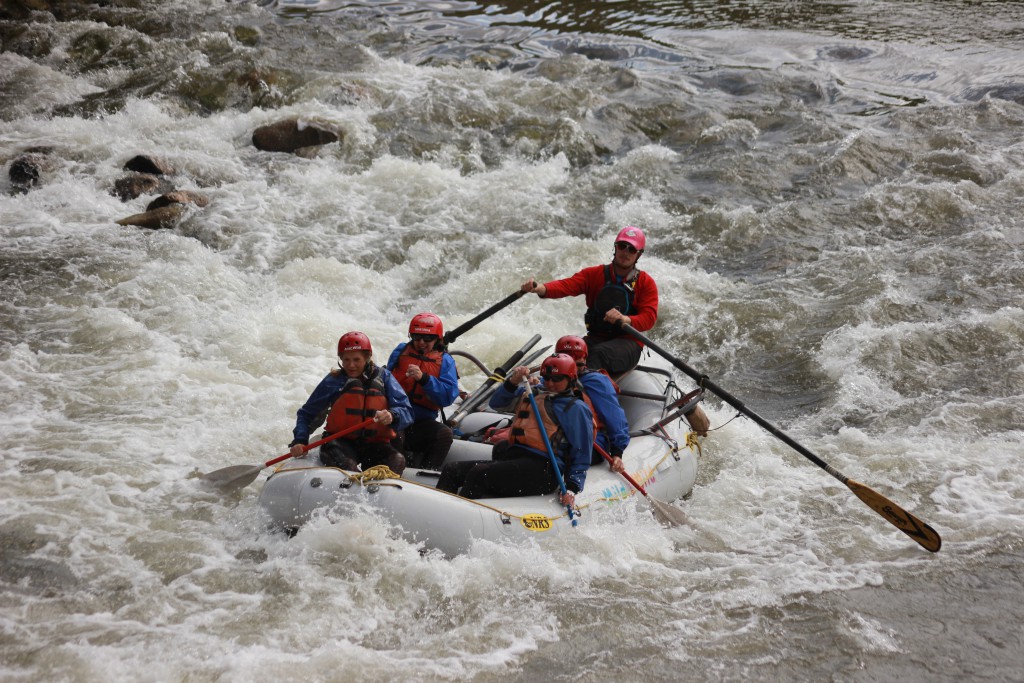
[599,389]
[313,413]
[442,390]
[577,423]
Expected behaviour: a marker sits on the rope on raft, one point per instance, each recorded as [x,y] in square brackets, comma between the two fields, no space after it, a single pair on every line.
[375,473]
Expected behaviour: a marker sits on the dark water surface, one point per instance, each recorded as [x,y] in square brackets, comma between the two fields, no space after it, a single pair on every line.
[833,198]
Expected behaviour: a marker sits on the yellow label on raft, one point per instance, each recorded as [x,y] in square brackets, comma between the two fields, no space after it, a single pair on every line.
[536,522]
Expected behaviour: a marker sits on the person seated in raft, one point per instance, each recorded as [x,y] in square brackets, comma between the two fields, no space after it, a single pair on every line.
[348,396]
[524,468]
[428,375]
[614,293]
[602,395]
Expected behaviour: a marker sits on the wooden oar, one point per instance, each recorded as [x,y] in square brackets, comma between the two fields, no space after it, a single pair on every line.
[239,476]
[912,526]
[452,335]
[666,514]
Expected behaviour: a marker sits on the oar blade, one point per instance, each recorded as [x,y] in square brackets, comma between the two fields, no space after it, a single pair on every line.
[232,478]
[666,514]
[913,527]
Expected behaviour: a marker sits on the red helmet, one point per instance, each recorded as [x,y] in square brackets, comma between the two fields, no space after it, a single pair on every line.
[632,235]
[573,346]
[558,364]
[426,323]
[354,341]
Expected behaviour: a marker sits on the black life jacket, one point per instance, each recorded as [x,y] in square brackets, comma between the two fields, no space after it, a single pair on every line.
[613,295]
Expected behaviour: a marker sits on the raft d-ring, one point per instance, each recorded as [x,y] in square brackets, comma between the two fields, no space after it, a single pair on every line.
[505,519]
[373,488]
[316,482]
[345,484]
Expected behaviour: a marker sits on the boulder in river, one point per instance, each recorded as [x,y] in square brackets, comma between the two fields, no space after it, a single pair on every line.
[134,184]
[161,218]
[178,197]
[144,163]
[30,168]
[291,135]
[165,211]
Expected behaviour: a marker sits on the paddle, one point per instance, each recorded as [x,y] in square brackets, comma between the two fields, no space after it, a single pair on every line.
[239,476]
[665,513]
[547,444]
[472,402]
[452,335]
[910,525]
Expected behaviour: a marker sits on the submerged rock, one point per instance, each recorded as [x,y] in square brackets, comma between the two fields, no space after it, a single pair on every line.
[134,184]
[178,197]
[163,217]
[143,163]
[291,135]
[28,169]
[165,211]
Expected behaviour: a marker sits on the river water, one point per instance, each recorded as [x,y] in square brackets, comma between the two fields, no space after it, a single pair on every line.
[833,196]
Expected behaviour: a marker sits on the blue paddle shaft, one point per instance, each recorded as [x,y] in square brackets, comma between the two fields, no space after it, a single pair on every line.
[547,444]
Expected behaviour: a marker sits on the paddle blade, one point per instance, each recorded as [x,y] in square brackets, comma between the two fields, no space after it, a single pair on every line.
[666,514]
[232,478]
[923,534]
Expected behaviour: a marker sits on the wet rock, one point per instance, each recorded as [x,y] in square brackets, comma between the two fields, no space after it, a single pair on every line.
[178,197]
[248,35]
[165,211]
[134,184]
[160,218]
[291,135]
[28,170]
[144,163]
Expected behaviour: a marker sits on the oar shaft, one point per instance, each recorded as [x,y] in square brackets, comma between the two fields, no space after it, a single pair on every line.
[906,522]
[499,374]
[336,435]
[452,335]
[547,444]
[624,474]
[706,383]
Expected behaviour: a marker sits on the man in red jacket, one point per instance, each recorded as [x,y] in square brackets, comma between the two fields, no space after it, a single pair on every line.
[613,292]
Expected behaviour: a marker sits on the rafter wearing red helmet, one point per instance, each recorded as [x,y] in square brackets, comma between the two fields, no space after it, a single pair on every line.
[601,396]
[524,467]
[347,396]
[428,375]
[615,292]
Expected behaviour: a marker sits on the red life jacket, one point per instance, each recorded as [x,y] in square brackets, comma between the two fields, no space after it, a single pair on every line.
[360,398]
[430,364]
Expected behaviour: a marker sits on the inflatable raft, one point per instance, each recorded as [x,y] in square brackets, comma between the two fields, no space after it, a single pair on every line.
[661,458]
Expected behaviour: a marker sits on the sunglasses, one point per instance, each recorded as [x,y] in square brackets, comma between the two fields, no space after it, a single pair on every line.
[625,245]
[423,337]
[557,378]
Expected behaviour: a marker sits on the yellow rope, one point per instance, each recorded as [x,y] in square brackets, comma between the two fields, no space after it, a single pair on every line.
[692,442]
[375,473]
